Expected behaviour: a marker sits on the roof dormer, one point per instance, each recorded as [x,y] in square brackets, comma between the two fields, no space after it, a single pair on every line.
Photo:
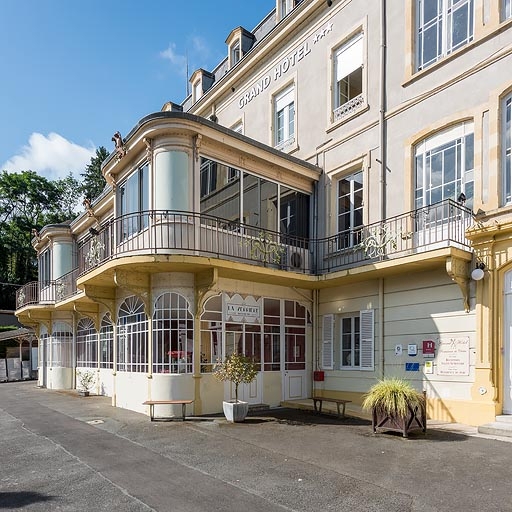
[201,81]
[285,7]
[239,42]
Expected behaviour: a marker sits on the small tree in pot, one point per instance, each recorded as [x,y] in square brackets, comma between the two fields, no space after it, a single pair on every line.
[237,369]
[85,380]
[396,405]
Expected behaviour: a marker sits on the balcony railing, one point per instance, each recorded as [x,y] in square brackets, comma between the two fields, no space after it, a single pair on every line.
[183,233]
[432,227]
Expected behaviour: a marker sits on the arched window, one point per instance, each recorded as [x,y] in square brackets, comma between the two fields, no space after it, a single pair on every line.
[106,342]
[173,335]
[132,336]
[444,166]
[86,343]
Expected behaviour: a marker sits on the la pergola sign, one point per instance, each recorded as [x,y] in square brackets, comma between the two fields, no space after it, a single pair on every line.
[288,63]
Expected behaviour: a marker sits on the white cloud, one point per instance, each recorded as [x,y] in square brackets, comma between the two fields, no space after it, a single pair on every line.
[177,60]
[200,47]
[52,156]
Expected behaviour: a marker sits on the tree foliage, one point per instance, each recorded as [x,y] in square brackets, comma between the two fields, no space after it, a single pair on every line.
[27,202]
[93,180]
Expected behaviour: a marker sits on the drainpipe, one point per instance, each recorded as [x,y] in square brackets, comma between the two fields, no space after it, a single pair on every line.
[383,164]
[382,110]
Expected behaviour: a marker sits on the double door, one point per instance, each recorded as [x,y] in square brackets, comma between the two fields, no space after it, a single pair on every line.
[277,348]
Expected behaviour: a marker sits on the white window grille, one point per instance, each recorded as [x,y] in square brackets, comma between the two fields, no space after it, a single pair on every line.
[132,336]
[86,344]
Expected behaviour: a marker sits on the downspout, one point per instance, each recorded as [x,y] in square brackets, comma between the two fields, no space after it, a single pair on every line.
[383,166]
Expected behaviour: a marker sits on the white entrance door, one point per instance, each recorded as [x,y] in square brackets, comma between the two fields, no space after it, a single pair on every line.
[294,373]
[507,356]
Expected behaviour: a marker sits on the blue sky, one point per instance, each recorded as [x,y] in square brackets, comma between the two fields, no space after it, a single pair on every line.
[75,72]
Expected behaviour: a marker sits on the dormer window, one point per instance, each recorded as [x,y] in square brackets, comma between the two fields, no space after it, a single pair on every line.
[239,42]
[284,7]
[235,54]
[201,81]
[197,90]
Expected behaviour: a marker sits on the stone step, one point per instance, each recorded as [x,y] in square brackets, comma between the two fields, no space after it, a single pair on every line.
[504,418]
[497,428]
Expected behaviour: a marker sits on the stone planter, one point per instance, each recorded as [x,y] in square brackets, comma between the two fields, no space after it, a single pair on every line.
[235,411]
[83,393]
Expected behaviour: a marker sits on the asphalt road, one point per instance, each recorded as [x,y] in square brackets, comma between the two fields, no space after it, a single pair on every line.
[61,452]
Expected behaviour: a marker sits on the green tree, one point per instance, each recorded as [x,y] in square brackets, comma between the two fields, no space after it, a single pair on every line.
[70,190]
[93,180]
[27,202]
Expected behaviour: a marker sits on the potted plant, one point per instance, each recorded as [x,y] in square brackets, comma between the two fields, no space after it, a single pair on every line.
[396,406]
[237,369]
[85,380]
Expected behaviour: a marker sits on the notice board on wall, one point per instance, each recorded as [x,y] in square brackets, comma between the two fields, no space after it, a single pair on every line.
[453,356]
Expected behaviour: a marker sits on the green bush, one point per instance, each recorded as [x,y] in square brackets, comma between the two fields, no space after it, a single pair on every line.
[392,397]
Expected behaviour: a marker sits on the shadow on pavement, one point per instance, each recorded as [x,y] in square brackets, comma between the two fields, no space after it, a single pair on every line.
[21,499]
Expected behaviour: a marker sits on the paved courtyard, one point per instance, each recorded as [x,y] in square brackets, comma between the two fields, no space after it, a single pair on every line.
[62,452]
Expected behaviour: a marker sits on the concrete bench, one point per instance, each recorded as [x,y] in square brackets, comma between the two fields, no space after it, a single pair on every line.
[152,404]
[338,401]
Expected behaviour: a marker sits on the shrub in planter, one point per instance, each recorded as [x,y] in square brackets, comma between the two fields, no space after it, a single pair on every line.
[85,381]
[237,369]
[396,406]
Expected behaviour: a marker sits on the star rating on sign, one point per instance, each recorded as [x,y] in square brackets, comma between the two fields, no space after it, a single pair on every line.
[325,30]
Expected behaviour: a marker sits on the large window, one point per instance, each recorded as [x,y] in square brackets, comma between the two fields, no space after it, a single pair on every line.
[106,342]
[61,344]
[442,26]
[133,198]
[507,150]
[284,118]
[356,348]
[173,335]
[132,336]
[348,72]
[444,166]
[506,10]
[86,344]
[45,274]
[350,210]
[243,197]
[208,176]
[350,348]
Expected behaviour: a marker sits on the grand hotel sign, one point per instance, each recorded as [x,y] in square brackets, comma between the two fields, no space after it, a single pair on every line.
[288,63]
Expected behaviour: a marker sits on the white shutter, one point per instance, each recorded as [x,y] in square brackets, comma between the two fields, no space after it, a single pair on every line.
[367,340]
[349,57]
[284,98]
[327,341]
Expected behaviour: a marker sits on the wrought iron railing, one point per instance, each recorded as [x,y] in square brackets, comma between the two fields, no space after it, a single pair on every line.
[171,232]
[432,227]
[183,233]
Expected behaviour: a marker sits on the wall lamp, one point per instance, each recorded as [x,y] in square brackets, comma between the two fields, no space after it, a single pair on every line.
[93,232]
[478,272]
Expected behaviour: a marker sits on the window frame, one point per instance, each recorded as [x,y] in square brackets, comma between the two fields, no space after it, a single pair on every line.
[506,149]
[350,46]
[354,231]
[86,344]
[444,21]
[284,102]
[428,150]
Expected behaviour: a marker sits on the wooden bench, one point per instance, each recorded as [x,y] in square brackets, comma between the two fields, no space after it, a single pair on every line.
[338,401]
[152,404]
